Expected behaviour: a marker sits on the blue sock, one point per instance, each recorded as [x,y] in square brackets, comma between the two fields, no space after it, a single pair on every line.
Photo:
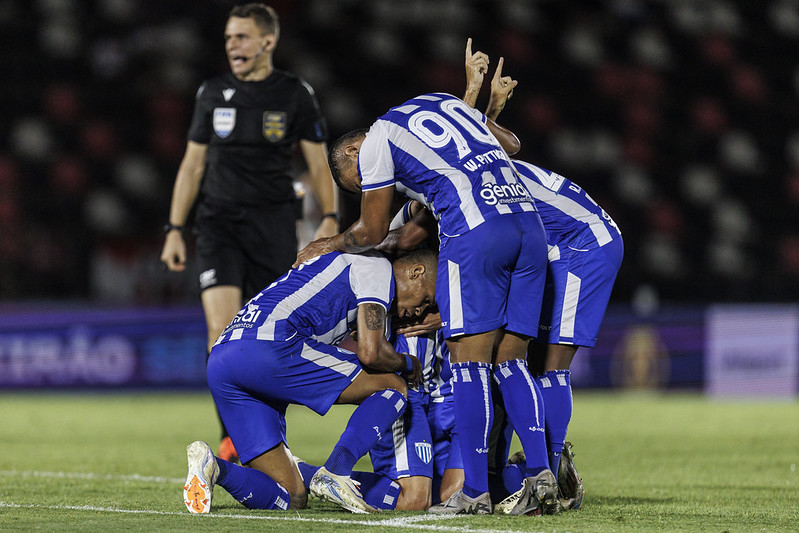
[474,414]
[252,488]
[307,471]
[367,424]
[556,390]
[378,491]
[525,409]
[512,478]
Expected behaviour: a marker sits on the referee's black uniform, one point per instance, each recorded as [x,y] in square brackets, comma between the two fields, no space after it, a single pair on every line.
[245,222]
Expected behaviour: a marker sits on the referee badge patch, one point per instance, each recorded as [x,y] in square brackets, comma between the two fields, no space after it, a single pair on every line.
[224,120]
[274,125]
[424,450]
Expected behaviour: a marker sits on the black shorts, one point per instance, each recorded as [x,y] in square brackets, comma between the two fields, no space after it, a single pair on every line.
[244,246]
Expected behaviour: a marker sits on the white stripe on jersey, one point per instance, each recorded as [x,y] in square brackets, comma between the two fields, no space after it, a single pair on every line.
[406,109]
[427,157]
[569,311]
[549,194]
[455,302]
[293,301]
[345,368]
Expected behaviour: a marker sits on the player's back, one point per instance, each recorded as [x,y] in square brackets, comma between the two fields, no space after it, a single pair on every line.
[436,149]
[570,216]
[318,299]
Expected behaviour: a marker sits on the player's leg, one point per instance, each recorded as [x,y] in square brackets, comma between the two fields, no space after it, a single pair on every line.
[377,490]
[521,397]
[220,304]
[471,292]
[381,399]
[221,263]
[260,429]
[470,357]
[405,454]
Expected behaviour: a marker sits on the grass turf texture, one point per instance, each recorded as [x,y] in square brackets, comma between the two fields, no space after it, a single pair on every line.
[117,462]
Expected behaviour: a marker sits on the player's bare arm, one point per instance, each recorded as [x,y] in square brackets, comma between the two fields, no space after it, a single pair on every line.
[366,233]
[413,233]
[184,193]
[476,68]
[315,155]
[374,351]
[501,91]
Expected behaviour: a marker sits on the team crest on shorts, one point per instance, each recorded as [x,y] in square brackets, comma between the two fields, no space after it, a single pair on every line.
[224,120]
[274,126]
[424,450]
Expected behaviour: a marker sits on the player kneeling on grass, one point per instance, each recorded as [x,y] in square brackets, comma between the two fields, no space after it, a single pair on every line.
[282,348]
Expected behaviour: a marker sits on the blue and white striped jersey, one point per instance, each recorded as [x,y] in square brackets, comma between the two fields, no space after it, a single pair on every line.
[432,352]
[571,217]
[436,149]
[318,299]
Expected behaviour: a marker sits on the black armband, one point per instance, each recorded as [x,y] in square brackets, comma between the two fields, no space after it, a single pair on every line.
[170,226]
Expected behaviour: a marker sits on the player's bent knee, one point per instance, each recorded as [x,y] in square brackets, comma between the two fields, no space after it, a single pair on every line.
[416,494]
[299,500]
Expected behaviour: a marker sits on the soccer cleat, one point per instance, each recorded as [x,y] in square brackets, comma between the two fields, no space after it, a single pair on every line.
[341,490]
[459,503]
[517,458]
[570,484]
[203,471]
[538,495]
[227,452]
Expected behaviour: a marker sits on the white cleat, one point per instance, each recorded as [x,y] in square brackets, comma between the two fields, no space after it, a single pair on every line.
[538,495]
[341,490]
[459,503]
[203,471]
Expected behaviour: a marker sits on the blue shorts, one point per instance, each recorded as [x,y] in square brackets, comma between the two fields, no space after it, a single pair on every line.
[446,444]
[577,292]
[253,382]
[408,449]
[493,276]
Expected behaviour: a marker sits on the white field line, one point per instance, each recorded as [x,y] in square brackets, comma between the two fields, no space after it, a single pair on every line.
[408,522]
[399,522]
[89,475]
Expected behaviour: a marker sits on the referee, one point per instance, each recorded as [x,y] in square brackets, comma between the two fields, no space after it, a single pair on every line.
[245,126]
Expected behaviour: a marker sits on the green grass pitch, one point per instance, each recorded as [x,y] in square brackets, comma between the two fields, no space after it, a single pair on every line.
[650,462]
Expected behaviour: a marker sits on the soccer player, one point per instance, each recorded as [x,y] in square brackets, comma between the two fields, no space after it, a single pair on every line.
[492,262]
[239,152]
[585,253]
[281,348]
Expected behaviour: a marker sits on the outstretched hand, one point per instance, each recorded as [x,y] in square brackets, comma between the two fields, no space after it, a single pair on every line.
[476,69]
[501,91]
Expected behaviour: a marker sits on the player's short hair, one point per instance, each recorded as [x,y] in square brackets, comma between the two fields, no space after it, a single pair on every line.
[335,155]
[264,16]
[426,256]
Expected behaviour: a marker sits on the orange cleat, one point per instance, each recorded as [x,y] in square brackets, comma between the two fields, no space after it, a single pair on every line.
[227,452]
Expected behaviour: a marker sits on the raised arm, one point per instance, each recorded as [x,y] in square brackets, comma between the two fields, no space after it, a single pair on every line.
[476,68]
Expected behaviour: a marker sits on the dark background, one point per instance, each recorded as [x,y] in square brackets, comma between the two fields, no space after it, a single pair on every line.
[679,118]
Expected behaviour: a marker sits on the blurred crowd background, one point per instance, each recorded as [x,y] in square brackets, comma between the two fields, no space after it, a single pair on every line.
[680,118]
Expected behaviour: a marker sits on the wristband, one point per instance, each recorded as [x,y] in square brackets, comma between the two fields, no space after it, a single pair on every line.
[408,364]
[170,226]
[333,215]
